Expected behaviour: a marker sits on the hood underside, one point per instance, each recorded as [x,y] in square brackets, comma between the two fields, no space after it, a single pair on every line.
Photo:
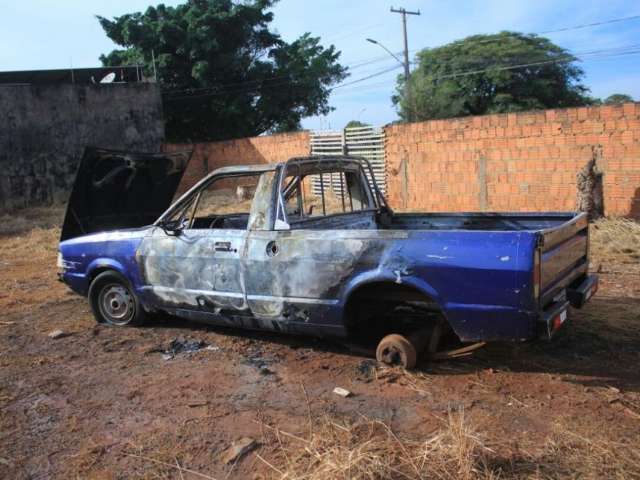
[117,189]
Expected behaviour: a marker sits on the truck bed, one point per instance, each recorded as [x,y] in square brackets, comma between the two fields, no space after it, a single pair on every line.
[480,221]
[561,256]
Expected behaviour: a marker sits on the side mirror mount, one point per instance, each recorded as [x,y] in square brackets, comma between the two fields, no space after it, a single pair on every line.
[173,227]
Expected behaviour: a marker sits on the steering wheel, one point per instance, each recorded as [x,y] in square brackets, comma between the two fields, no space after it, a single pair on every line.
[215,221]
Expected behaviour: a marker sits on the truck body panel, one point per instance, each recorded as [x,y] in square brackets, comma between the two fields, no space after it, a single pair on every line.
[493,276]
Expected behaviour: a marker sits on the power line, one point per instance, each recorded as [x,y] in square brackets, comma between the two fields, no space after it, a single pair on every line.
[252,84]
[268,79]
[566,58]
[218,93]
[605,53]
[623,50]
[377,74]
[588,25]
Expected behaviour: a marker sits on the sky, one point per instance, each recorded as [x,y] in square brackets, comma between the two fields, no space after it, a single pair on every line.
[45,34]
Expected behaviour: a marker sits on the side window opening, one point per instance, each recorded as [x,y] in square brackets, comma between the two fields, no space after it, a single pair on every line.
[322,194]
[225,203]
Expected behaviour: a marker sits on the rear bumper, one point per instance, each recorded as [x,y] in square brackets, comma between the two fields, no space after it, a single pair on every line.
[579,293]
[552,319]
[555,315]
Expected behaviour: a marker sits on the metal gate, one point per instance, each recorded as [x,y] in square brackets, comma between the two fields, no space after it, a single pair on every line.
[367,142]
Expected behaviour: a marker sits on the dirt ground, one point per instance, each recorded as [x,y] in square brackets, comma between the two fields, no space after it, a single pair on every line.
[103,403]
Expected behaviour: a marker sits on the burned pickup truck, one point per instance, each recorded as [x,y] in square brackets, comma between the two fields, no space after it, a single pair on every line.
[310,246]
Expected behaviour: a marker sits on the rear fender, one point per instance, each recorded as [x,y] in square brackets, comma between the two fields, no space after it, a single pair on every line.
[381,277]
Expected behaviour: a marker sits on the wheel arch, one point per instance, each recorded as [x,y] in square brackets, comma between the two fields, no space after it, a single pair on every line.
[101,265]
[408,288]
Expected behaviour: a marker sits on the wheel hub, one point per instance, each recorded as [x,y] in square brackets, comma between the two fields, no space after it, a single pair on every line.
[117,304]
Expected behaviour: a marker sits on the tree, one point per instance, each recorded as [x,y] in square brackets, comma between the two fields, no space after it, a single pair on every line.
[223,73]
[356,123]
[618,99]
[482,74]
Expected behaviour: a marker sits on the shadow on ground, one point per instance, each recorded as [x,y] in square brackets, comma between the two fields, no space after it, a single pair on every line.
[600,341]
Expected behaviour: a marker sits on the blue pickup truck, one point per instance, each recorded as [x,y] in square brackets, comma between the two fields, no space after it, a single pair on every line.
[310,246]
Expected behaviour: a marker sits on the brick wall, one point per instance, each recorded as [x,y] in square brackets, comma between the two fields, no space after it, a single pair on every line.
[511,162]
[519,161]
[266,149]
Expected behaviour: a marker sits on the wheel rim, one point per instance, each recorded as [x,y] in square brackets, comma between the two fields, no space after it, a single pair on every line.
[116,304]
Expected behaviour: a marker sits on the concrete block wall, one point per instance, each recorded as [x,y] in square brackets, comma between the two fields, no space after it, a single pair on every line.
[514,162]
[45,128]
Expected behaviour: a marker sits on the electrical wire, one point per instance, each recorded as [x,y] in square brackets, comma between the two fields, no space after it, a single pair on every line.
[251,85]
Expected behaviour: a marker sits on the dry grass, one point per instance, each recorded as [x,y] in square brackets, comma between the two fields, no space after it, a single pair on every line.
[615,240]
[22,221]
[369,449]
[28,247]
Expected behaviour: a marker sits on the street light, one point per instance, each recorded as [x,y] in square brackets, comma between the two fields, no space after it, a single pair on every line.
[371,40]
[405,64]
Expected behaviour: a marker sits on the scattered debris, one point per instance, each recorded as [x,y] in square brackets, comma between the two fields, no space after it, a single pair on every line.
[197,403]
[56,334]
[181,345]
[366,370]
[238,449]
[255,357]
[343,392]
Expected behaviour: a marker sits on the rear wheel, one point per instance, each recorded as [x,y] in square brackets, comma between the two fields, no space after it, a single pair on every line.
[396,349]
[113,301]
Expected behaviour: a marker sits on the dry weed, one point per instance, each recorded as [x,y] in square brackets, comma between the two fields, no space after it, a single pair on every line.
[370,449]
[615,240]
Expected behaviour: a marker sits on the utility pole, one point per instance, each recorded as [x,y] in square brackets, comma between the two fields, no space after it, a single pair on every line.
[406,54]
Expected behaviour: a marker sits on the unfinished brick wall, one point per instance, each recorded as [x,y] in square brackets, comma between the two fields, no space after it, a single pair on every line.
[511,162]
[514,162]
[244,151]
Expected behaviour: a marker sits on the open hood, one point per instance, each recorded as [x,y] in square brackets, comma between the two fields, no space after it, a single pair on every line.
[115,189]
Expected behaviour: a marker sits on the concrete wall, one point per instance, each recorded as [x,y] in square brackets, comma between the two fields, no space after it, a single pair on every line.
[44,129]
[519,161]
[266,149]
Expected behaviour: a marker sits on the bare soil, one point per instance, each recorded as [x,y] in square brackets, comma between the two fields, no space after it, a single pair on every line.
[103,403]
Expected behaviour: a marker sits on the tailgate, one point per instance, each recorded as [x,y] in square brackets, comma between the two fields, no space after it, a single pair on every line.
[563,253]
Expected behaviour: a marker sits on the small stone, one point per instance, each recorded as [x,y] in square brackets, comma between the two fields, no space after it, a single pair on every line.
[238,449]
[56,334]
[343,392]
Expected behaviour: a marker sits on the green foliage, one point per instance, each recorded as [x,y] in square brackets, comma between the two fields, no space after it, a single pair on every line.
[618,99]
[222,72]
[437,90]
[356,123]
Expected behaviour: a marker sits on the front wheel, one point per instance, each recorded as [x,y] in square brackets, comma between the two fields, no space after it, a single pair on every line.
[113,301]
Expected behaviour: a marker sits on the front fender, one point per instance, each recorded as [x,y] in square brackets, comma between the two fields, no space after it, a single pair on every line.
[79,281]
[102,264]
